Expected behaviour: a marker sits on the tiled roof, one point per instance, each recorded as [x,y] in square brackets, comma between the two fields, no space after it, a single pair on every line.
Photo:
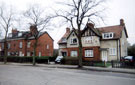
[25,34]
[64,36]
[115,29]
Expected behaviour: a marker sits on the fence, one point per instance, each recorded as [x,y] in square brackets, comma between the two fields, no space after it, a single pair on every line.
[122,64]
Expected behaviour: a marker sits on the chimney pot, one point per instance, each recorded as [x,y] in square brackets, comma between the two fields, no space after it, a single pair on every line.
[33,29]
[90,25]
[67,29]
[122,22]
[14,31]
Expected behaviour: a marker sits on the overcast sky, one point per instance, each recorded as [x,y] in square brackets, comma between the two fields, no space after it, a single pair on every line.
[116,9]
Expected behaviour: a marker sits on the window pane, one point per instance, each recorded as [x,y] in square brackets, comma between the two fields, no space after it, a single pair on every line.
[112,51]
[20,44]
[88,53]
[73,53]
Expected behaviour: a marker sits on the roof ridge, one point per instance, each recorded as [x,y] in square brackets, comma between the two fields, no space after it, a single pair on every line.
[107,26]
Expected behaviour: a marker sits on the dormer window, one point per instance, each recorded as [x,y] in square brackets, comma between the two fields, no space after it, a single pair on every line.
[19,34]
[107,35]
[64,39]
[10,35]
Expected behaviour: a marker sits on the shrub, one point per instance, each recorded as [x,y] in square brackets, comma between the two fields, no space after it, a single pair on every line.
[70,60]
[42,59]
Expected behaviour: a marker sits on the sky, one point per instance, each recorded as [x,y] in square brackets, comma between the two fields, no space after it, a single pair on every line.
[116,9]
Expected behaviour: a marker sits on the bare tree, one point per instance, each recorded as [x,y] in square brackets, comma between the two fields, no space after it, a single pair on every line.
[6,19]
[80,13]
[37,18]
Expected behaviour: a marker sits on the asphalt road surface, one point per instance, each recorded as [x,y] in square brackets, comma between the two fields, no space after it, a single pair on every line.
[29,75]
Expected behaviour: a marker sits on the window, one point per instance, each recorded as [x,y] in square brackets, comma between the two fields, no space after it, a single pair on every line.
[47,46]
[88,39]
[8,53]
[19,34]
[89,53]
[20,53]
[8,45]
[39,54]
[20,45]
[73,41]
[28,44]
[64,40]
[73,53]
[107,35]
[2,46]
[112,51]
[28,53]
[73,34]
[10,35]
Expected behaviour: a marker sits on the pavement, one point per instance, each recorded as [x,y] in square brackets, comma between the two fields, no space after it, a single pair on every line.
[103,69]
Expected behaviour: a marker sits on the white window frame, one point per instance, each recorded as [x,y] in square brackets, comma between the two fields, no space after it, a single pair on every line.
[28,53]
[64,40]
[19,34]
[39,54]
[28,44]
[89,53]
[20,44]
[72,41]
[10,35]
[2,46]
[9,45]
[88,39]
[112,51]
[20,53]
[47,46]
[108,35]
[8,53]
[73,54]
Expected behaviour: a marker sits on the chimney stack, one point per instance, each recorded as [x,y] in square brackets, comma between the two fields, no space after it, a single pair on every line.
[122,22]
[14,31]
[90,25]
[33,29]
[68,30]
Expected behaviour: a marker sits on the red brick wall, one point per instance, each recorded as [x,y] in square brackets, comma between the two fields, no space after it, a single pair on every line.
[95,50]
[14,46]
[43,41]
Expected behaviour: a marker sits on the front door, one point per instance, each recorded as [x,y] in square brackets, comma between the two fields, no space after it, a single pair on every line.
[104,55]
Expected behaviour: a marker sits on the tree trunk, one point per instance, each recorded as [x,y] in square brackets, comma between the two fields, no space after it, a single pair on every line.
[80,53]
[5,49]
[34,56]
[5,52]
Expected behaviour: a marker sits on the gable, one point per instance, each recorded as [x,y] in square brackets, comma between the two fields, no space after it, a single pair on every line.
[45,33]
[89,32]
[124,34]
[125,31]
[71,33]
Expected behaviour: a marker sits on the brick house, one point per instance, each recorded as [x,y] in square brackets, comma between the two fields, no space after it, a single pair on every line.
[99,44]
[21,43]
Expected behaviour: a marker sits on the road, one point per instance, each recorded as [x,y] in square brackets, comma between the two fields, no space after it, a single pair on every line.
[29,75]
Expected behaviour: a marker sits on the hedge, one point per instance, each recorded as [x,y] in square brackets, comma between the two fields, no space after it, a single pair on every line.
[74,61]
[70,60]
[42,59]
